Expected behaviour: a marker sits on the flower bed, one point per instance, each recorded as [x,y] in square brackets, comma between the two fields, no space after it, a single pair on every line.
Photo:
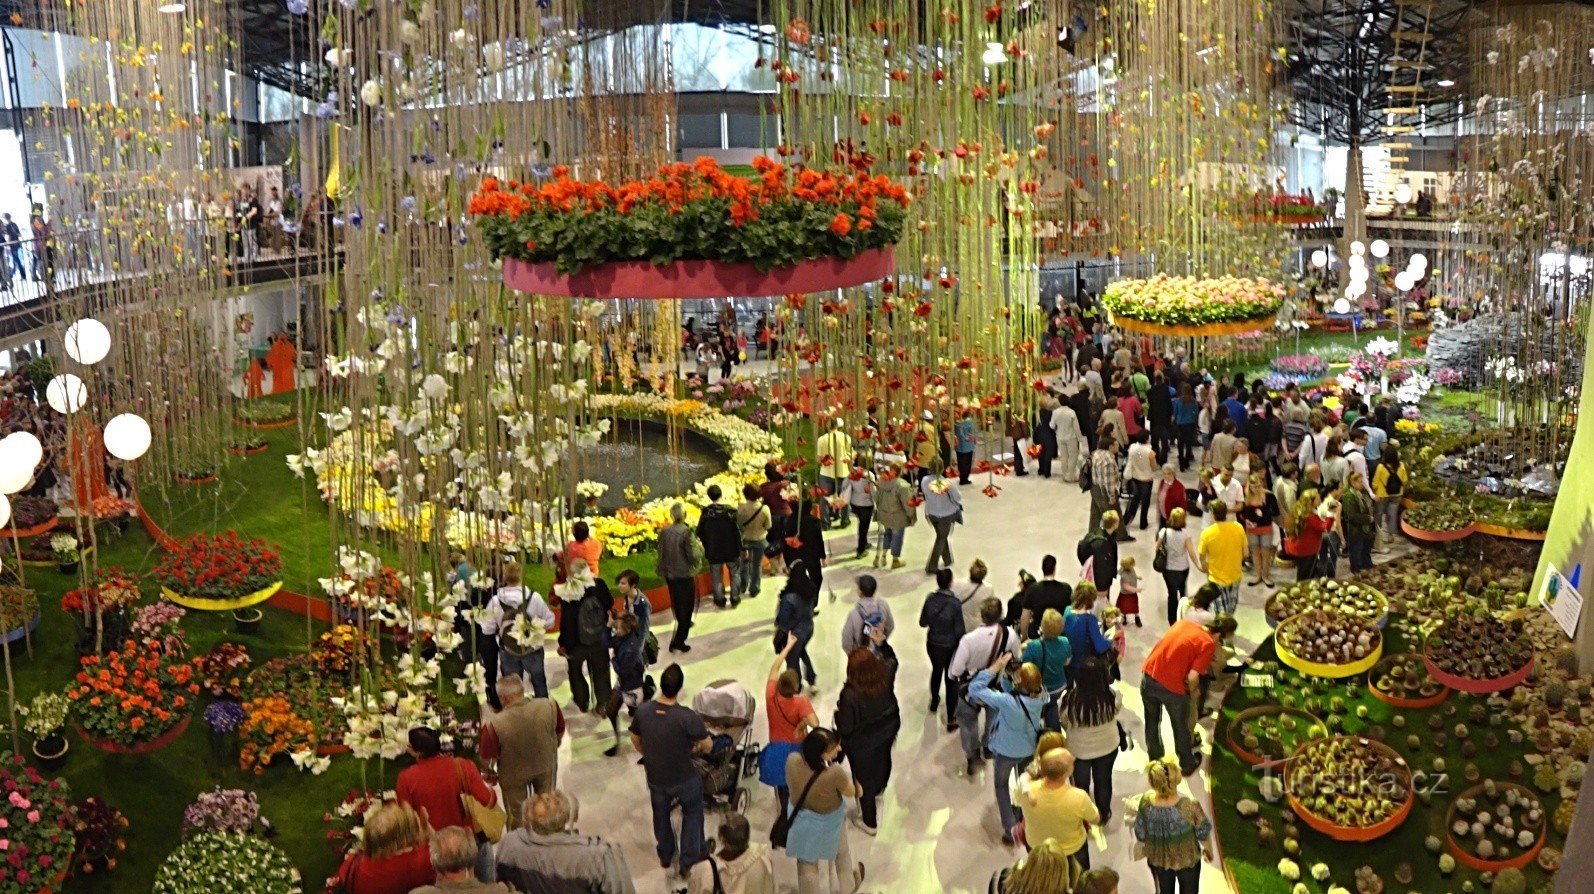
[30,517]
[133,699]
[219,572]
[1186,305]
[1300,367]
[345,475]
[695,211]
[264,414]
[36,816]
[234,863]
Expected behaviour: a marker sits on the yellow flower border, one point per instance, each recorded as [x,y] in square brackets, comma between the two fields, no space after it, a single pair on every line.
[221,605]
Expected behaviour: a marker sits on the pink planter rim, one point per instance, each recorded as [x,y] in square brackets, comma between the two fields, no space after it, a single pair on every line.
[699,279]
[153,745]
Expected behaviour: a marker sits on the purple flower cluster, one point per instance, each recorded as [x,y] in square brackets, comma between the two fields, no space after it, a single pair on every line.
[224,716]
[222,810]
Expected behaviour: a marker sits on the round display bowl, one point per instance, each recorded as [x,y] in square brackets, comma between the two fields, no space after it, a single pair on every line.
[1507,533]
[268,424]
[1468,684]
[203,479]
[43,527]
[1331,671]
[1274,618]
[222,605]
[1422,536]
[1399,700]
[153,745]
[1249,714]
[248,451]
[1517,861]
[1357,833]
[1194,330]
[11,636]
[699,279]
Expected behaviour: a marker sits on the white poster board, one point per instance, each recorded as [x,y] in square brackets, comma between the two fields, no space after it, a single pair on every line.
[1561,600]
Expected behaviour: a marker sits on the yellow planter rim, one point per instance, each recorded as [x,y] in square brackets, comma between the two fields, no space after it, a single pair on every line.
[221,605]
[1199,330]
[1332,671]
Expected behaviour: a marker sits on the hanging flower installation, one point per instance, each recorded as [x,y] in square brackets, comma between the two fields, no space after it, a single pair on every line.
[693,212]
[1186,305]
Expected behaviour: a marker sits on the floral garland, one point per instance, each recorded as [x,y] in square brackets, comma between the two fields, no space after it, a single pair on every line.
[340,468]
[1189,301]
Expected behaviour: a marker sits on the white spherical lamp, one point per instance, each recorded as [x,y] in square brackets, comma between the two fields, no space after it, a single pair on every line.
[1356,248]
[1359,274]
[1419,261]
[1342,306]
[5,510]
[1404,280]
[1319,258]
[1355,290]
[1379,248]
[127,437]
[1403,193]
[25,448]
[66,393]
[14,474]
[88,341]
[1358,262]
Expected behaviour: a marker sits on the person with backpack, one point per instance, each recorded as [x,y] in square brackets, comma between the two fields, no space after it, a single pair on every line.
[630,670]
[1020,709]
[752,527]
[584,636]
[717,530]
[870,616]
[942,618]
[519,620]
[1098,552]
[978,649]
[1389,484]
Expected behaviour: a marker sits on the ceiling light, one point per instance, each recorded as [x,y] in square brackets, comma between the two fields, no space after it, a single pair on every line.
[1319,258]
[1445,82]
[171,7]
[994,54]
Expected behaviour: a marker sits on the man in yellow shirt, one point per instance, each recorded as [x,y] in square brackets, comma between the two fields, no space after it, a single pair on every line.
[1222,551]
[1056,808]
[835,458]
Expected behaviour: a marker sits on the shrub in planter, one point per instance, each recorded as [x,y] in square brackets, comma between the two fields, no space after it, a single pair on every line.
[230,862]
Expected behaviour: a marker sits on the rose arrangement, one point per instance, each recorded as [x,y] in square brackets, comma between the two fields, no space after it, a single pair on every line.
[36,822]
[133,695]
[229,810]
[219,566]
[1187,300]
[787,214]
[99,830]
[237,864]
[221,670]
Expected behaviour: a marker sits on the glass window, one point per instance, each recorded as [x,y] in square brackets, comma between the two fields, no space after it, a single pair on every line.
[700,131]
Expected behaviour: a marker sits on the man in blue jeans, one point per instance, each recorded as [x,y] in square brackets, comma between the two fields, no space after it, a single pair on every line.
[668,734]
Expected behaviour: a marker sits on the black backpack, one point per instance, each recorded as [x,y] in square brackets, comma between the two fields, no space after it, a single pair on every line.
[592,614]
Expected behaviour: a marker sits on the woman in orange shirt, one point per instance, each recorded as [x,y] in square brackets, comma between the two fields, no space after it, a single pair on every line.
[583,546]
[791,717]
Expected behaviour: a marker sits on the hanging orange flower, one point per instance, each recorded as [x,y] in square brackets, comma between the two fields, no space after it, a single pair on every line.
[841,224]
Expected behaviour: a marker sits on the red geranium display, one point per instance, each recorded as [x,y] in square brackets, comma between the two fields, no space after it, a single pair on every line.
[133,695]
[782,216]
[219,566]
[36,819]
[114,590]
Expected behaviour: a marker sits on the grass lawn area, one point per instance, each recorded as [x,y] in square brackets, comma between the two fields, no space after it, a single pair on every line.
[257,496]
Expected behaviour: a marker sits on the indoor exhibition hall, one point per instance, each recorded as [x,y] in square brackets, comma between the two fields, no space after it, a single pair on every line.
[796,446]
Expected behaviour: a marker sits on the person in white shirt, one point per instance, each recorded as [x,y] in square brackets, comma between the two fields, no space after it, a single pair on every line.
[1141,471]
[1314,447]
[1356,455]
[971,594]
[1229,489]
[978,650]
[516,654]
[1065,422]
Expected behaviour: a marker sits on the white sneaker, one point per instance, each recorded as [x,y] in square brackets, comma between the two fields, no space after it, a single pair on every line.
[864,827]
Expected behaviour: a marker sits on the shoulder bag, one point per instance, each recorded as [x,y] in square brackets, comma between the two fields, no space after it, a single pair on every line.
[714,867]
[489,821]
[781,830]
[1159,559]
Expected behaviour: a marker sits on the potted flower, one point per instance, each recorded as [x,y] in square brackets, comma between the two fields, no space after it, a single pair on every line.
[219,572]
[247,446]
[36,814]
[227,861]
[133,700]
[101,610]
[265,414]
[46,722]
[247,620]
[590,492]
[19,612]
[221,671]
[100,830]
[222,720]
[196,474]
[64,548]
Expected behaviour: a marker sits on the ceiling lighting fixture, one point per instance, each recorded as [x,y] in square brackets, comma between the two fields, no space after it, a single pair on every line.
[994,54]
[1445,82]
[171,8]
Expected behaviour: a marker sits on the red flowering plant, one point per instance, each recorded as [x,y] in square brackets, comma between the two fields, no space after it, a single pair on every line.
[698,211]
[219,566]
[133,695]
[36,823]
[113,591]
[101,833]
[222,670]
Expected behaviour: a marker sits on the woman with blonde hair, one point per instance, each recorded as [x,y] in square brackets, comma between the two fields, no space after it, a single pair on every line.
[1051,653]
[1173,829]
[1177,549]
[1044,870]
[392,857]
[1019,709]
[1304,534]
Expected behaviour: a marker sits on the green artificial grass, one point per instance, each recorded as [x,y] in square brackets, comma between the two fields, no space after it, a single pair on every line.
[257,496]
[1253,867]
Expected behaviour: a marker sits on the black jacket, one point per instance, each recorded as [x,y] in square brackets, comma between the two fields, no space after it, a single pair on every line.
[717,528]
[942,617]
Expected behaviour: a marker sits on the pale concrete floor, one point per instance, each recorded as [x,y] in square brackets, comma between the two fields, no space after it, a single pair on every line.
[938,829]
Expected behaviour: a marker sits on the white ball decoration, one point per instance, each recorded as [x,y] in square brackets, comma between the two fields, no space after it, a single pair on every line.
[1356,290]
[1342,306]
[1403,194]
[26,448]
[1379,248]
[1404,280]
[1419,261]
[1319,258]
[66,393]
[127,437]
[1357,248]
[1359,274]
[5,510]
[14,474]
[88,341]
[1358,262]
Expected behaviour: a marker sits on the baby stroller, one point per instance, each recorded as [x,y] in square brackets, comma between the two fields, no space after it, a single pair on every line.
[727,709]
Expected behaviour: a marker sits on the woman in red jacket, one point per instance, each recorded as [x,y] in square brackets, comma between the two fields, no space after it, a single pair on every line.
[1171,494]
[1305,535]
[392,857]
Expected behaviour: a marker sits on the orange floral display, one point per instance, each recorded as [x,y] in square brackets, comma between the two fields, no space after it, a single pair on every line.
[133,695]
[272,729]
[780,217]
